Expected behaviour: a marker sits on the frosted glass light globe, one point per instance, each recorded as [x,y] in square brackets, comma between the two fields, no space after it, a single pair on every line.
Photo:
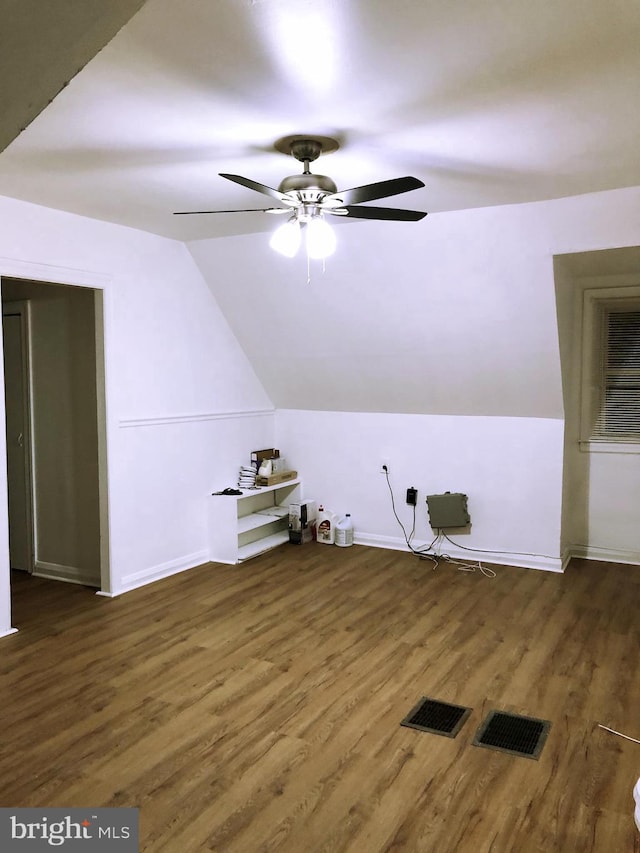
[286,238]
[321,240]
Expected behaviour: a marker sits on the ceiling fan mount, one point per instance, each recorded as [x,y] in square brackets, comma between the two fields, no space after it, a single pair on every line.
[306,149]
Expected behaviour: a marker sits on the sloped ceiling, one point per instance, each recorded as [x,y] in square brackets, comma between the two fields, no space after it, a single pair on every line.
[491,103]
[488,103]
[43,46]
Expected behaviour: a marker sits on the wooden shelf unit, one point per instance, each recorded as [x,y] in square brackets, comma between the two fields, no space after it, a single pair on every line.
[238,526]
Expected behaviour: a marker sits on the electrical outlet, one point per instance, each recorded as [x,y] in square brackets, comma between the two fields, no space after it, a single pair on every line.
[384,466]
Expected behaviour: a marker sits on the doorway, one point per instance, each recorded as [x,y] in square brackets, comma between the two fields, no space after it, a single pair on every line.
[52,363]
[15,331]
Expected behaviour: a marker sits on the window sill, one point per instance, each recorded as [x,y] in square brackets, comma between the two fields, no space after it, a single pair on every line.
[609,446]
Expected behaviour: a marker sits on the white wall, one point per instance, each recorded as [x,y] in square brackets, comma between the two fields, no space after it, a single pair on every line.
[407,317]
[612,529]
[455,315]
[510,469]
[184,406]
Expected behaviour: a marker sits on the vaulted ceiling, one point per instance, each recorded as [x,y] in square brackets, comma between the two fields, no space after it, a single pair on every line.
[43,46]
[488,103]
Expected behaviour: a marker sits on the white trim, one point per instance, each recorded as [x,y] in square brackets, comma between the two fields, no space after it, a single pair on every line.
[566,558]
[163,570]
[52,274]
[69,574]
[609,447]
[159,420]
[49,274]
[9,632]
[526,561]
[606,555]
[100,322]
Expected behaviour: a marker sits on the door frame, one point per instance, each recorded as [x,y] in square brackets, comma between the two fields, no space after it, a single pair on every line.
[101,284]
[22,309]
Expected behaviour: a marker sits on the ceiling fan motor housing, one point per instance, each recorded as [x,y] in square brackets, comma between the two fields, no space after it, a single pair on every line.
[319,184]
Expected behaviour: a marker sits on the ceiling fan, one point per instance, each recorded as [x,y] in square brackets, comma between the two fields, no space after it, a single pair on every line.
[307,198]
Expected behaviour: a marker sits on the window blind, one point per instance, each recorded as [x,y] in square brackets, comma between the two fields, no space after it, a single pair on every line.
[618,416]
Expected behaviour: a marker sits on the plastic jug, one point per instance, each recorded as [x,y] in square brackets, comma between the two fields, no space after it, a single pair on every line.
[325,526]
[344,531]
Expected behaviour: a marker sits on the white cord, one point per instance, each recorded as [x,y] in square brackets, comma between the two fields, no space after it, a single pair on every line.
[509,553]
[462,567]
[614,732]
[472,567]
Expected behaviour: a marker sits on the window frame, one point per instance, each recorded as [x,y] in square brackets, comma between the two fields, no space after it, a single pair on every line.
[598,303]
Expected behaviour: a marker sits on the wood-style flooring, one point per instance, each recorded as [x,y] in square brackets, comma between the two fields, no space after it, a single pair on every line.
[255,708]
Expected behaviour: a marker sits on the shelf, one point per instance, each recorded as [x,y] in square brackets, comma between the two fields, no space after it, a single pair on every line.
[255,520]
[261,490]
[245,552]
[245,525]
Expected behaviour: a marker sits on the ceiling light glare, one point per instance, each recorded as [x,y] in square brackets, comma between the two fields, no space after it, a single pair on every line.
[286,238]
[321,240]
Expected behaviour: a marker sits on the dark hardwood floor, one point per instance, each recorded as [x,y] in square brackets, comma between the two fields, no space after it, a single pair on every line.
[257,708]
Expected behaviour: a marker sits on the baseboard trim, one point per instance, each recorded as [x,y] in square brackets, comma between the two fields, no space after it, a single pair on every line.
[66,574]
[526,561]
[605,555]
[8,633]
[163,570]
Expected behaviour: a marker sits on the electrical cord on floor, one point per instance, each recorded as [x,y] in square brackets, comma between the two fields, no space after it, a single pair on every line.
[471,567]
[462,567]
[507,553]
[427,552]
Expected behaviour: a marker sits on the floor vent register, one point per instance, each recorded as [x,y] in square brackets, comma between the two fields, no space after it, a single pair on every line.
[439,718]
[518,735]
[511,733]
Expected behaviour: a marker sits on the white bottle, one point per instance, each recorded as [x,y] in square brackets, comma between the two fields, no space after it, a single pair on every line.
[344,532]
[325,526]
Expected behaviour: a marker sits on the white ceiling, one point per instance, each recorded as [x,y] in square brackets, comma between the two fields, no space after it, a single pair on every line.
[494,102]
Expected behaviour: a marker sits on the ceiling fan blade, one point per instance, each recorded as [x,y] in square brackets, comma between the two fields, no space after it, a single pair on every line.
[389,213]
[245,210]
[381,189]
[259,188]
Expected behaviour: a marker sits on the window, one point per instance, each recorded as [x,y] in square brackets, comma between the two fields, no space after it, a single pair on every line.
[611,368]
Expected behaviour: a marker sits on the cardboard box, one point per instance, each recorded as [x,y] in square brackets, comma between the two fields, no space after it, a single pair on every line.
[268,453]
[302,521]
[274,479]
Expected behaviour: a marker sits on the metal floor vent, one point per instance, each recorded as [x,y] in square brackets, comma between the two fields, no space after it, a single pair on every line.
[439,718]
[513,733]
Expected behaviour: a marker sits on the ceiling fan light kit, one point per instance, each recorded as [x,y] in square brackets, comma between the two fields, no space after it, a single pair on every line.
[321,239]
[308,197]
[286,238]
